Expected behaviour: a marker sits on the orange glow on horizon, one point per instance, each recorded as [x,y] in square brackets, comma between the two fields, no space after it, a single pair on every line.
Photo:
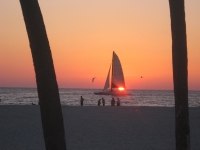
[83,34]
[121,88]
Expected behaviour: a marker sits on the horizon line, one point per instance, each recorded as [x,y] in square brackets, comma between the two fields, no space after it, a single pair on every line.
[97,88]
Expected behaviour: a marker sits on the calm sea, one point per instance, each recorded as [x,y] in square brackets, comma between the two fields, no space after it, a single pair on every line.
[71,97]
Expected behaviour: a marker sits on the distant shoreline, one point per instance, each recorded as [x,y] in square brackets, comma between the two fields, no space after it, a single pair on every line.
[12,104]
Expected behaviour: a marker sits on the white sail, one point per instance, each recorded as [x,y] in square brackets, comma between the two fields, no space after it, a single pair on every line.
[107,83]
[117,73]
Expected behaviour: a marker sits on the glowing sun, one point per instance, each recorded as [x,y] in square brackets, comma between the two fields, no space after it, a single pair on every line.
[121,88]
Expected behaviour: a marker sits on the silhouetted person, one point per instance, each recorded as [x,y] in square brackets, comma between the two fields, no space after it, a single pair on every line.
[99,102]
[118,102]
[82,99]
[113,102]
[103,101]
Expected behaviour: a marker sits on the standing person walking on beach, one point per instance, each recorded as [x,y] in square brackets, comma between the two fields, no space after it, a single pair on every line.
[82,99]
[99,102]
[113,102]
[118,102]
[103,101]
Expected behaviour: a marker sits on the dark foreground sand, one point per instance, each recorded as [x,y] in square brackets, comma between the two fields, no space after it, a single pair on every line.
[97,128]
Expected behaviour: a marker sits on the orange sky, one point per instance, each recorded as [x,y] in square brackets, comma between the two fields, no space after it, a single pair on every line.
[83,34]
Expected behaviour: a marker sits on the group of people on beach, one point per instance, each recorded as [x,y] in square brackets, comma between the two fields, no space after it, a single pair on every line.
[102,100]
[113,102]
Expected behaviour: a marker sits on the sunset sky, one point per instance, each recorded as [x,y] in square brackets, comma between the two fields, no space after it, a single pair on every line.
[84,33]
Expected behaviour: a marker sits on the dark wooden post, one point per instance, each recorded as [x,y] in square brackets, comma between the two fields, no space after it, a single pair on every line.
[49,100]
[180,74]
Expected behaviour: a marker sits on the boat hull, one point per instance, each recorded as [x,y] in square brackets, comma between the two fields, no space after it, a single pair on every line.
[113,93]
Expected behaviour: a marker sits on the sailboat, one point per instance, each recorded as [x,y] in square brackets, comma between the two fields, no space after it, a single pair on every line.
[115,84]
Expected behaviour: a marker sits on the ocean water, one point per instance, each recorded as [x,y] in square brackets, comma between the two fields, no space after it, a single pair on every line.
[71,97]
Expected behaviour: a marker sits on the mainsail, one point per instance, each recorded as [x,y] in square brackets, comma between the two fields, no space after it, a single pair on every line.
[117,73]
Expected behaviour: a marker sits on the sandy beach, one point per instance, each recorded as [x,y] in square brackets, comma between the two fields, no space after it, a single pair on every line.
[97,128]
